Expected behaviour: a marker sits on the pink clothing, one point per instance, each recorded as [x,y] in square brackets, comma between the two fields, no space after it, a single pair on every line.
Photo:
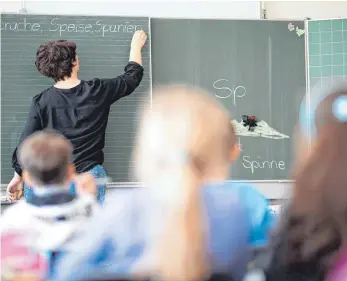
[18,258]
[339,271]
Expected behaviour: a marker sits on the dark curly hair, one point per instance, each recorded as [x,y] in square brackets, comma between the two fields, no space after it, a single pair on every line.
[55,59]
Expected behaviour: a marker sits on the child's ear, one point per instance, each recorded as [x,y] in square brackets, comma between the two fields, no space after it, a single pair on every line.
[234,153]
[71,172]
[26,178]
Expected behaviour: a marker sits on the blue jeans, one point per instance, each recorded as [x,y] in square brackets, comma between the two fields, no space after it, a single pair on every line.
[97,172]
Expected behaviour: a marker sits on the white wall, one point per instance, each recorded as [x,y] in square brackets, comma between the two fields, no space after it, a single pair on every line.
[188,8]
[162,8]
[303,9]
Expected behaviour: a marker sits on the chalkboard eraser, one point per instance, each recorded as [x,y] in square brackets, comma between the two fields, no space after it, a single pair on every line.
[308,18]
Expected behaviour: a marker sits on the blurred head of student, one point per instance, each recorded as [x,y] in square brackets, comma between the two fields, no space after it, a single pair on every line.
[57,59]
[184,141]
[316,226]
[46,159]
[310,117]
[234,149]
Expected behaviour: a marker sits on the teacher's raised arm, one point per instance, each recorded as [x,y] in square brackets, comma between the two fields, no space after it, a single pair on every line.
[77,109]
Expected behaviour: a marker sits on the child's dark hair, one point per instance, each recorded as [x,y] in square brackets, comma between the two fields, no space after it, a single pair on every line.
[45,155]
[315,227]
[55,59]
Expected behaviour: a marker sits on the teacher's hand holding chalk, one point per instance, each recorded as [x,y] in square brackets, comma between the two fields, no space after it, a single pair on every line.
[139,39]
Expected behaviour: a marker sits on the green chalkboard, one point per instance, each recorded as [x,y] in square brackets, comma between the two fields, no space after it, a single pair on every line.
[327,49]
[253,67]
[103,48]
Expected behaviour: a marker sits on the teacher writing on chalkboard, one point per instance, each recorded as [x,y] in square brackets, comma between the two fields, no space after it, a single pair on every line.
[78,109]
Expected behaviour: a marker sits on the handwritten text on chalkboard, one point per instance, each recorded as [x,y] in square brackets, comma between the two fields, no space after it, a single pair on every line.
[254,165]
[225,92]
[61,27]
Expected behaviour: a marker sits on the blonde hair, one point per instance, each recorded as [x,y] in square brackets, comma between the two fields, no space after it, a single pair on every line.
[183,135]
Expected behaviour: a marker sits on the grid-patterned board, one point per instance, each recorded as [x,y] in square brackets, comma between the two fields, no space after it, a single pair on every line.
[327,51]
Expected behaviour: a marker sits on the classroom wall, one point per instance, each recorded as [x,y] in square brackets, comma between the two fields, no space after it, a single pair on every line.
[187,8]
[163,8]
[303,9]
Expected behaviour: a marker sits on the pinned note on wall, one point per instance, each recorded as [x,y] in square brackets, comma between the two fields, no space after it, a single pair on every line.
[299,31]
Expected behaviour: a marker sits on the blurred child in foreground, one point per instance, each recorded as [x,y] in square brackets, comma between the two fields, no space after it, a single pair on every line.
[312,240]
[188,222]
[32,230]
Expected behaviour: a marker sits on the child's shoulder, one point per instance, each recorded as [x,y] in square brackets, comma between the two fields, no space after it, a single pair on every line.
[17,219]
[240,189]
[123,202]
[17,210]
